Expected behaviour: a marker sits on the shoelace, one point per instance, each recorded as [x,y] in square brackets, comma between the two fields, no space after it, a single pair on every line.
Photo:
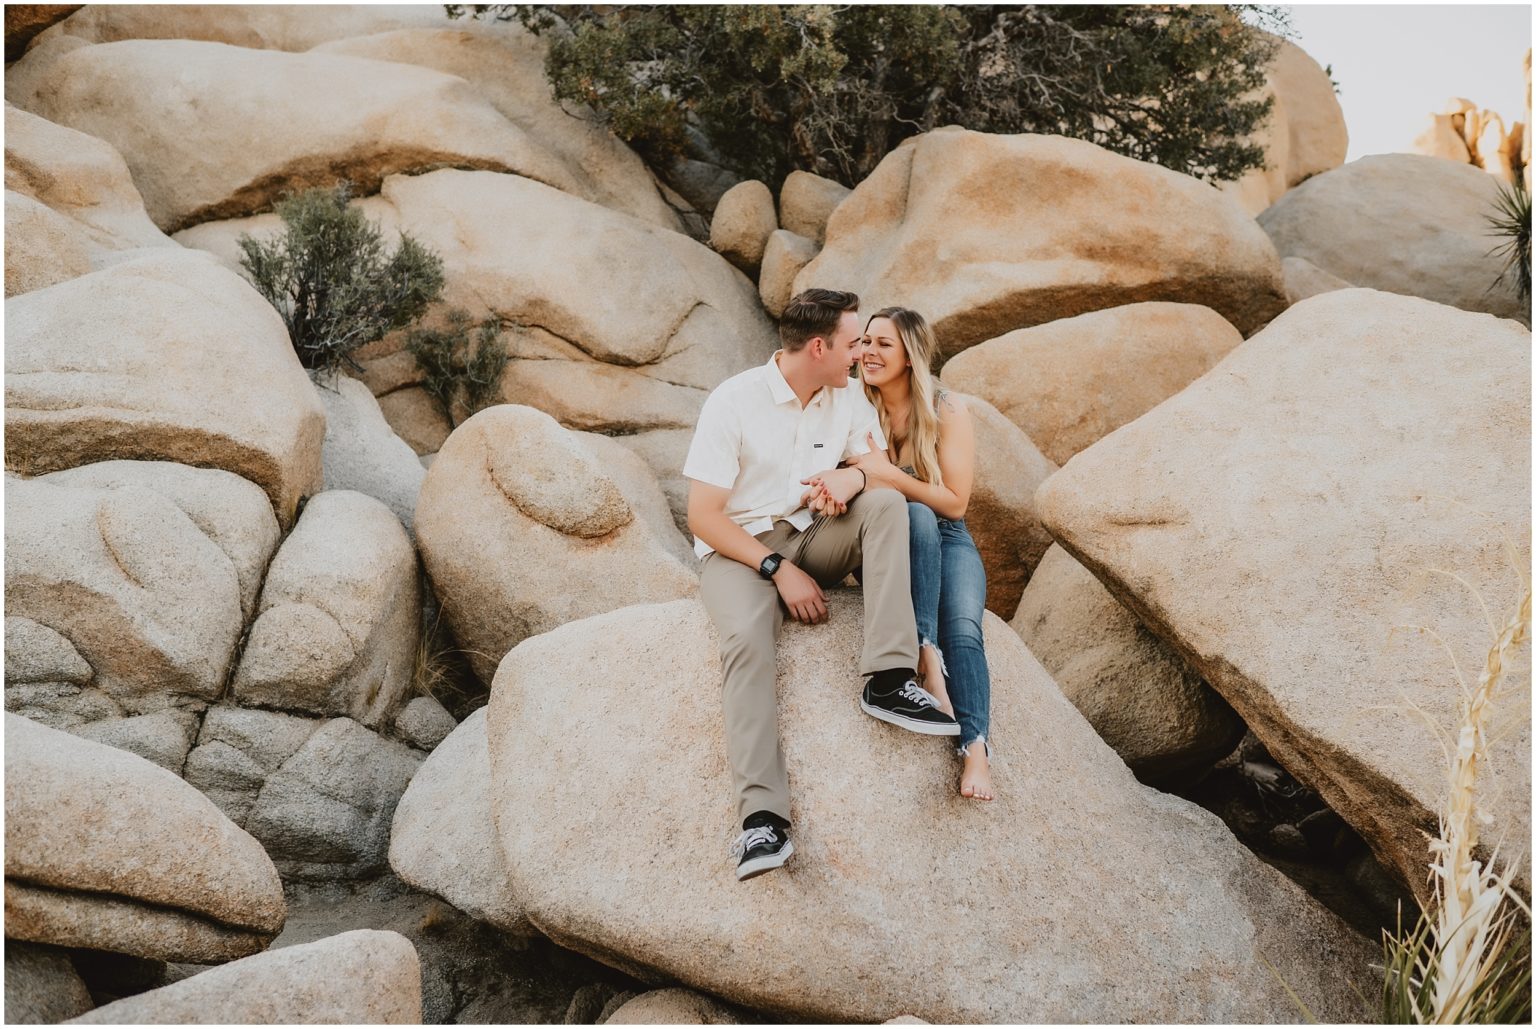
[917,695]
[753,837]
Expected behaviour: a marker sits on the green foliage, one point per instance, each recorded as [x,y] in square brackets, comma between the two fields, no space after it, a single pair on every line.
[1501,994]
[832,90]
[462,369]
[329,278]
[1511,219]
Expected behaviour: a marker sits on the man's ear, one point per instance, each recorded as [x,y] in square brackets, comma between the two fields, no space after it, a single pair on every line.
[816,346]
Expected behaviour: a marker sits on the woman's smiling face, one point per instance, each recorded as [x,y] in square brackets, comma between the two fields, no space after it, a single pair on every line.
[882,358]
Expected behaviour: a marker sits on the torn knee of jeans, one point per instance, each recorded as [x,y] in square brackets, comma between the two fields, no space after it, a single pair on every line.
[925,642]
[964,749]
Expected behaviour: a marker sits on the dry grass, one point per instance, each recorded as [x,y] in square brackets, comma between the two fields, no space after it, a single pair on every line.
[1468,960]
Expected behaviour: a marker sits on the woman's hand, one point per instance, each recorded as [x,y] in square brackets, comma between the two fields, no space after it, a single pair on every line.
[876,464]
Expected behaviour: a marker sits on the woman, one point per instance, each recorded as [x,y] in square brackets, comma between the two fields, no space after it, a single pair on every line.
[932,463]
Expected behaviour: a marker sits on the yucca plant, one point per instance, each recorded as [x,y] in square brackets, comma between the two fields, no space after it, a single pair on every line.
[1511,219]
[1468,960]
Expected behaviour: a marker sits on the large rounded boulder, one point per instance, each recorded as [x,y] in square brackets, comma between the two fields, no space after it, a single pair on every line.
[986,234]
[1403,223]
[1325,527]
[523,528]
[612,800]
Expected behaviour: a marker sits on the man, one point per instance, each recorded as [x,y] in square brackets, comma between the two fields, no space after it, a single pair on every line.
[760,438]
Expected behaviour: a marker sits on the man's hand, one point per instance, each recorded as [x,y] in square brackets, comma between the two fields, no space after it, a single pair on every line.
[800,593]
[831,491]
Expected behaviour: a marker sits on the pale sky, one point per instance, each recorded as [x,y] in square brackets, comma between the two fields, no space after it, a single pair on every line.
[1397,63]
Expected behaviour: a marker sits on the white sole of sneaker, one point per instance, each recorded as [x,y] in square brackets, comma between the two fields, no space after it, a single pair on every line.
[767,863]
[910,724]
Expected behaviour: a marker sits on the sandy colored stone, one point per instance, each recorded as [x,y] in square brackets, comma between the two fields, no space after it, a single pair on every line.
[806,201]
[522,529]
[229,510]
[985,234]
[1304,279]
[743,221]
[340,614]
[214,131]
[325,813]
[424,723]
[443,841]
[36,653]
[783,257]
[1404,223]
[162,737]
[877,817]
[415,417]
[361,452]
[78,176]
[114,571]
[42,247]
[237,749]
[41,985]
[263,26]
[105,850]
[505,64]
[665,450]
[1073,381]
[639,485]
[673,1007]
[1441,137]
[1136,691]
[1278,523]
[1002,517]
[141,361]
[362,977]
[22,23]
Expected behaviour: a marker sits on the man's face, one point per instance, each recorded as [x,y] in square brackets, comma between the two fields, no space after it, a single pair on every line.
[841,352]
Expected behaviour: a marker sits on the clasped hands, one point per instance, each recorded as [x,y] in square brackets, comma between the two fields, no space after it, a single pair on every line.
[832,491]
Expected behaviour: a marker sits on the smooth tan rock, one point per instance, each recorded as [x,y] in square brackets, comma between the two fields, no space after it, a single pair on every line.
[107,851]
[1279,521]
[238,749]
[442,840]
[521,529]
[673,1007]
[1002,517]
[806,201]
[24,21]
[340,614]
[743,221]
[362,977]
[1136,692]
[877,816]
[986,234]
[416,418]
[1404,223]
[361,452]
[42,986]
[80,177]
[424,723]
[266,122]
[1304,279]
[505,65]
[229,510]
[1073,381]
[112,570]
[638,483]
[42,247]
[783,257]
[1441,137]
[36,653]
[665,450]
[264,26]
[163,737]
[140,361]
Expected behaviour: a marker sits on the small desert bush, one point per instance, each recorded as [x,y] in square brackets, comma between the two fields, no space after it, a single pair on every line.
[461,364]
[1468,960]
[328,276]
[1511,220]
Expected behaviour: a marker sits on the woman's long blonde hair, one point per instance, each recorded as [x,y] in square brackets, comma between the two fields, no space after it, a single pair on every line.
[923,429]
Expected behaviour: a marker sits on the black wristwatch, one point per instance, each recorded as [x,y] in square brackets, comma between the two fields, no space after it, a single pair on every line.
[770,565]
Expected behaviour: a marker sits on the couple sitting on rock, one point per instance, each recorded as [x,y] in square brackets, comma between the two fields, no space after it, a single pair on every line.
[798,479]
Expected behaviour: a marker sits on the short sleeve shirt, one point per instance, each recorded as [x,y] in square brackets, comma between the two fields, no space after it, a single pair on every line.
[755,439]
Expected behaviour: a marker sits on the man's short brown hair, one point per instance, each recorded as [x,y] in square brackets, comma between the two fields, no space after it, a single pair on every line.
[812,313]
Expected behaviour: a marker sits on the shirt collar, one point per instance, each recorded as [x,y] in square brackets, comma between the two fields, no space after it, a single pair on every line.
[780,389]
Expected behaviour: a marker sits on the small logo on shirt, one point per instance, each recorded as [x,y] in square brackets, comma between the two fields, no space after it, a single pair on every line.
[817,446]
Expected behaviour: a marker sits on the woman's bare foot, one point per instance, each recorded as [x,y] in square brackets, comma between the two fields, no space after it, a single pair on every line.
[932,671]
[976,776]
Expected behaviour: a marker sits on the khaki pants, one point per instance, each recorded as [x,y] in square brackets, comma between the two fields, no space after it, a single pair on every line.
[746,610]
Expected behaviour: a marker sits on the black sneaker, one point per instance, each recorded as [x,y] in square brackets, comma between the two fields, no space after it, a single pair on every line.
[904,703]
[761,848]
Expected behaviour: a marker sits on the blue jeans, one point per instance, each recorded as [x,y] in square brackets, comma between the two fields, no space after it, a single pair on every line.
[949,593]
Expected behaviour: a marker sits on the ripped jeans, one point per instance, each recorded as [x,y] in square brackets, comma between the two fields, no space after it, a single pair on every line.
[949,593]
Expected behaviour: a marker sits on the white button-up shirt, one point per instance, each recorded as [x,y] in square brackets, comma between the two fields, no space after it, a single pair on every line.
[755,439]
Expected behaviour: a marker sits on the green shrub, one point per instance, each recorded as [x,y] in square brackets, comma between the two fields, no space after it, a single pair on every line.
[328,276]
[462,370]
[1511,219]
[831,90]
